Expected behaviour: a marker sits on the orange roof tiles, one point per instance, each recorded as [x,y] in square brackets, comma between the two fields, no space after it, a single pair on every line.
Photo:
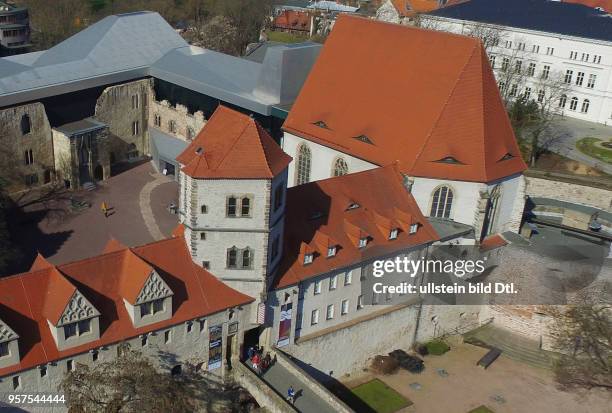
[28,299]
[606,5]
[492,242]
[233,145]
[292,20]
[338,212]
[40,263]
[411,7]
[424,98]
[113,245]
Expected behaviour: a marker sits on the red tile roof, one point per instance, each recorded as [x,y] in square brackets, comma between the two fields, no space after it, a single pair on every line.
[492,242]
[28,299]
[412,7]
[606,5]
[338,212]
[233,145]
[427,99]
[292,20]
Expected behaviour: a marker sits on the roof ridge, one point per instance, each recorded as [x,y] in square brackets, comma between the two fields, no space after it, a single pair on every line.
[439,117]
[483,113]
[260,140]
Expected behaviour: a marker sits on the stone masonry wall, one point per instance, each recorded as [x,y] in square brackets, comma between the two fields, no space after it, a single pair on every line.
[175,120]
[14,144]
[569,192]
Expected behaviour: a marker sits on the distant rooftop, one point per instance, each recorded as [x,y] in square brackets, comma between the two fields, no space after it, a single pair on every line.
[135,45]
[540,15]
[448,229]
[80,126]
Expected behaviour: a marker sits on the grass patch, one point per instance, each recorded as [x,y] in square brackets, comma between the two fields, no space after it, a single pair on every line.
[481,409]
[380,397]
[437,347]
[284,37]
[592,147]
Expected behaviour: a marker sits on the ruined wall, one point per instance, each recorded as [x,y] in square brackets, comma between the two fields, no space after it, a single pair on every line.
[124,108]
[14,143]
[576,192]
[175,120]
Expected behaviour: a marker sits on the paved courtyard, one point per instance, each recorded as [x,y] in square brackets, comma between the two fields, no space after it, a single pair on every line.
[507,386]
[138,197]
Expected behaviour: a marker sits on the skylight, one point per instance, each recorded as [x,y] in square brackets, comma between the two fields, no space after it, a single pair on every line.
[199,150]
[450,160]
[352,205]
[364,139]
[321,124]
[506,157]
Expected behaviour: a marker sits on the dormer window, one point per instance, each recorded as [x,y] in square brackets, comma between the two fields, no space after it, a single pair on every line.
[364,139]
[363,242]
[321,124]
[4,350]
[507,157]
[331,251]
[413,228]
[450,160]
[77,329]
[152,307]
[393,233]
[352,205]
[308,258]
[199,150]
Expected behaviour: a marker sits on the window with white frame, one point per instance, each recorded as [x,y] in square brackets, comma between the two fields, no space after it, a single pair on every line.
[360,302]
[591,81]
[135,128]
[333,282]
[545,72]
[573,103]
[585,57]
[596,58]
[414,228]
[508,44]
[562,101]
[550,51]
[317,287]
[329,313]
[585,106]
[531,69]
[308,258]
[535,48]
[348,278]
[521,46]
[363,242]
[393,233]
[241,259]
[579,78]
[314,317]
[573,55]
[344,308]
[505,64]
[245,207]
[568,76]
[331,251]
[442,202]
[77,328]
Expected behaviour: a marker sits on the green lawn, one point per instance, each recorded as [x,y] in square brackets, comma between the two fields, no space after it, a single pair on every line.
[284,37]
[591,147]
[481,409]
[380,397]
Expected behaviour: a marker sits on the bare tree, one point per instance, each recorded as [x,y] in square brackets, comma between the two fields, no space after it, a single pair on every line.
[583,334]
[490,35]
[217,33]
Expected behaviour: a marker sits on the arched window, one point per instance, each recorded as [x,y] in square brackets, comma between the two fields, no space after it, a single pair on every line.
[246,258]
[172,126]
[573,103]
[231,257]
[492,210]
[304,159]
[340,167]
[26,124]
[585,106]
[231,206]
[562,101]
[245,208]
[441,202]
[190,133]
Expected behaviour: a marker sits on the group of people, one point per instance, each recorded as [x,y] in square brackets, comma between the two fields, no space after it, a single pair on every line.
[259,362]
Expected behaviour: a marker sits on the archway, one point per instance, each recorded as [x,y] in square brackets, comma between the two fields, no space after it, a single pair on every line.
[99,173]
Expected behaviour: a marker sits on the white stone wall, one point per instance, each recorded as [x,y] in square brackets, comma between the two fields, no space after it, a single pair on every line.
[600,96]
[183,347]
[511,204]
[388,13]
[565,191]
[186,125]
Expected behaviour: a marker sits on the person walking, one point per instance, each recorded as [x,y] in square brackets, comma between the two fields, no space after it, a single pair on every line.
[104,209]
[291,394]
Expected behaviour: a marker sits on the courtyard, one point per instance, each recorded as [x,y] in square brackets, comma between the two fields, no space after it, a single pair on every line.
[138,200]
[507,386]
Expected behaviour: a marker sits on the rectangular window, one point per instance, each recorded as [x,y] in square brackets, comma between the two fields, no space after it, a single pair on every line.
[333,282]
[144,340]
[31,179]
[167,336]
[393,233]
[16,382]
[94,355]
[43,371]
[591,81]
[157,121]
[531,70]
[145,309]
[203,209]
[550,51]
[135,127]
[314,317]
[329,314]
[568,76]
[505,64]
[492,61]
[545,72]
[527,93]
[360,302]
[573,55]
[331,251]
[348,278]
[158,306]
[535,48]
[202,325]
[84,326]
[135,102]
[28,157]
[513,90]
[206,265]
[345,307]
[189,326]
[308,258]
[363,242]
[414,228]
[579,78]
[508,44]
[541,95]
[70,330]
[231,207]
[4,349]
[69,365]
[317,287]
[245,207]
[521,46]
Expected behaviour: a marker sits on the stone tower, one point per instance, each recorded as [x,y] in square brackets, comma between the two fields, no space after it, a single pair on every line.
[233,181]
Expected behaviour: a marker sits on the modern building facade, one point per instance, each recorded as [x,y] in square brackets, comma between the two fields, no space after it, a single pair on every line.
[14,29]
[544,39]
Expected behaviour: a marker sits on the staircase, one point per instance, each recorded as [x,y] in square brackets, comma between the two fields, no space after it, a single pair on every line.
[88,186]
[512,345]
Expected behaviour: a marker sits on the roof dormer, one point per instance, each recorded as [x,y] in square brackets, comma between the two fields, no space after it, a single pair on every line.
[78,323]
[9,346]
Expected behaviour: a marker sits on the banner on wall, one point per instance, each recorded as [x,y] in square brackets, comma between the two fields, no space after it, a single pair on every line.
[215,347]
[284,328]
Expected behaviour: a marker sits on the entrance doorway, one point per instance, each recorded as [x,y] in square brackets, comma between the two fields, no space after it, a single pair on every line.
[99,173]
[229,350]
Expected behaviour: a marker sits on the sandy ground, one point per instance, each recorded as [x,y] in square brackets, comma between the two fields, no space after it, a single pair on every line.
[524,389]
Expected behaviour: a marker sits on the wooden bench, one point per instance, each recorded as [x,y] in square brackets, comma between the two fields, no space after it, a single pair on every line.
[489,358]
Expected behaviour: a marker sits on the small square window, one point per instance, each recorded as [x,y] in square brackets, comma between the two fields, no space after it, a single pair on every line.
[202,236]
[414,228]
[144,340]
[4,349]
[94,355]
[69,365]
[308,258]
[317,287]
[43,371]
[393,233]
[16,382]
[363,242]
[167,336]
[206,265]
[203,209]
[333,282]
[331,251]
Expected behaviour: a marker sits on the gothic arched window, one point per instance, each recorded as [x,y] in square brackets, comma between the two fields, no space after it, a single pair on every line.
[246,258]
[340,167]
[26,124]
[304,160]
[442,202]
[245,207]
[231,257]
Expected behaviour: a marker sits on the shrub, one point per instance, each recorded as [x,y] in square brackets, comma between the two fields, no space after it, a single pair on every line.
[384,365]
[437,347]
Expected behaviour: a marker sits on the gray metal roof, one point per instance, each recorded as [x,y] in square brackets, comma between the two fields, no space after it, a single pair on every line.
[130,46]
[168,147]
[80,126]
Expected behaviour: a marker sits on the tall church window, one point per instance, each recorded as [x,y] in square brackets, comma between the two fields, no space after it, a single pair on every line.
[340,167]
[231,206]
[442,202]
[231,258]
[304,160]
[245,207]
[246,258]
[26,124]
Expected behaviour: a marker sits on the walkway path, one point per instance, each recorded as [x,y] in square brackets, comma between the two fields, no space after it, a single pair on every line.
[280,379]
[145,205]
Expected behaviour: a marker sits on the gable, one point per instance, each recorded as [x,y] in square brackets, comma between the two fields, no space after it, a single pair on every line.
[6,333]
[78,308]
[155,287]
